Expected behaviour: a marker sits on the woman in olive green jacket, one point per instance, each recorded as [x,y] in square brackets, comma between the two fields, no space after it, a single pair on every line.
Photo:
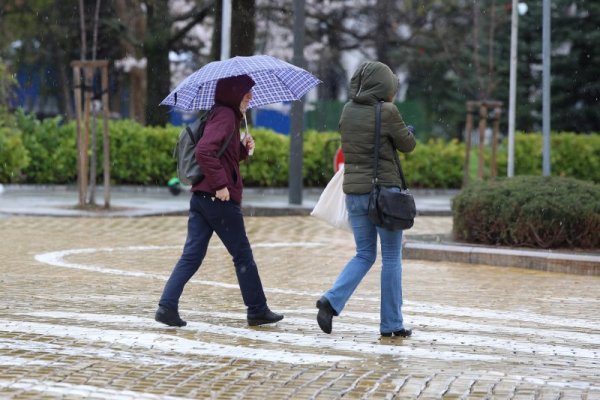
[371,83]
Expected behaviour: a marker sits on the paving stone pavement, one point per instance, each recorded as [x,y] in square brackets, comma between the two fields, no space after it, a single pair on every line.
[79,295]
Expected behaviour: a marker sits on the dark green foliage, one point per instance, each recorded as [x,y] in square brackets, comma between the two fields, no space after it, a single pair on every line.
[51,147]
[571,155]
[546,212]
[139,154]
[269,164]
[13,155]
[34,151]
[435,164]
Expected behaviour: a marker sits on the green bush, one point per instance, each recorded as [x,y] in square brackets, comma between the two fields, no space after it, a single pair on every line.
[140,155]
[571,155]
[319,150]
[13,155]
[546,212]
[269,164]
[435,164]
[46,152]
[51,145]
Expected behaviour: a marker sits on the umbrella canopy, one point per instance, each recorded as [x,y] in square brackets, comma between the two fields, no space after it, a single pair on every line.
[276,81]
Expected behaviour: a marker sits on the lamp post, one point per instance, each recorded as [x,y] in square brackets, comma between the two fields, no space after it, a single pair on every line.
[546,87]
[517,9]
[226,30]
[297,122]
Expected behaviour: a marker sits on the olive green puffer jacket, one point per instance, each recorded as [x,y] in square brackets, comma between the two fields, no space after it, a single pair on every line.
[372,82]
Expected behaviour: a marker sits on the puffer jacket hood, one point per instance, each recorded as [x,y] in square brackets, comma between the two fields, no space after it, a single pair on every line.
[373,81]
[230,91]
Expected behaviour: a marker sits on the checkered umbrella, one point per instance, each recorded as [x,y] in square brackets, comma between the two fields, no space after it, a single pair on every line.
[276,81]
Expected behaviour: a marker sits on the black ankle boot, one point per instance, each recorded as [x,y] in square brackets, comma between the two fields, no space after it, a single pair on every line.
[268,317]
[402,333]
[169,317]
[325,315]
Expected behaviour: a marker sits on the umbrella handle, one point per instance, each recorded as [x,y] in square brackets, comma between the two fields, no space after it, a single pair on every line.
[251,151]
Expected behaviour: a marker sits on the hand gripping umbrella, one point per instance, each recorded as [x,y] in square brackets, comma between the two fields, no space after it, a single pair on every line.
[276,81]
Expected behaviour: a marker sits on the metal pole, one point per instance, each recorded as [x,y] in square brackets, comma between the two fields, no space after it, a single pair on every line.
[546,87]
[297,123]
[226,30]
[512,96]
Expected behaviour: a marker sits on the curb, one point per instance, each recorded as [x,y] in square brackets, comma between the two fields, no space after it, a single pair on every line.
[541,260]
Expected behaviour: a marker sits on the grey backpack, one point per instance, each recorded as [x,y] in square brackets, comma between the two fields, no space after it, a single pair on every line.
[188,170]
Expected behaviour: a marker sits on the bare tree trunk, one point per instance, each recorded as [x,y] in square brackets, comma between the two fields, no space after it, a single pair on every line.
[476,50]
[215,51]
[127,12]
[382,31]
[94,145]
[243,27]
[156,45]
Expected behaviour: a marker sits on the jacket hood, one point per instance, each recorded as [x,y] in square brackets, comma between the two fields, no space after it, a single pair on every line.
[230,91]
[372,82]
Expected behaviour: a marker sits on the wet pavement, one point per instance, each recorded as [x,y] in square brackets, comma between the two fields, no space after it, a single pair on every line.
[134,201]
[79,296]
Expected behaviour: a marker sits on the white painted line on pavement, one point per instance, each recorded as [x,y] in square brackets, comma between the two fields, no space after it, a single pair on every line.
[279,337]
[50,388]
[56,258]
[166,343]
[80,350]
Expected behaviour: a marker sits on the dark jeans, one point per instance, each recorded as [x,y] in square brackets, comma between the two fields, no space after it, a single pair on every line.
[208,215]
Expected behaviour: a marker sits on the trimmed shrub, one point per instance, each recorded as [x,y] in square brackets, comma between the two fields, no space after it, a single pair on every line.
[269,164]
[13,155]
[545,212]
[51,145]
[434,164]
[319,150]
[139,154]
[571,155]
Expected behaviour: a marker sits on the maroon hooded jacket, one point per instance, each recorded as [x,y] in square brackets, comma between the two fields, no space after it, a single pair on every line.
[224,171]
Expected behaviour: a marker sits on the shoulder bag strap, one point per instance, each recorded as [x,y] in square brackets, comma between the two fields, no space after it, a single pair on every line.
[377,142]
[376,149]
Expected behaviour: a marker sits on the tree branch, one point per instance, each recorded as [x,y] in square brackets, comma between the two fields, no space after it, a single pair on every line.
[197,16]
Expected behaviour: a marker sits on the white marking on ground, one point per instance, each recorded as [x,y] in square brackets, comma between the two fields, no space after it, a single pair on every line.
[80,350]
[56,258]
[279,337]
[50,388]
[448,335]
[20,361]
[166,343]
[413,310]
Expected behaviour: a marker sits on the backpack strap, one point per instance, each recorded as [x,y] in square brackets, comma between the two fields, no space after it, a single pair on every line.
[225,144]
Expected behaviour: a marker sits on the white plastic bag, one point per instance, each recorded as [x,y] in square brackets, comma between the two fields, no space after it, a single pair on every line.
[331,206]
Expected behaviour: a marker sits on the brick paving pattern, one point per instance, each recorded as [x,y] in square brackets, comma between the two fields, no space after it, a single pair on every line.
[79,295]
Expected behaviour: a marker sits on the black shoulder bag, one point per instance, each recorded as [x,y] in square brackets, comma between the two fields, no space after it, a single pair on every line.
[392,210]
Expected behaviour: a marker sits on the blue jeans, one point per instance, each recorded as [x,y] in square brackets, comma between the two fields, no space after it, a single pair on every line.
[365,236]
[226,220]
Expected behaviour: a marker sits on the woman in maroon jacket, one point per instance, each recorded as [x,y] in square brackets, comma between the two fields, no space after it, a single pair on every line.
[215,207]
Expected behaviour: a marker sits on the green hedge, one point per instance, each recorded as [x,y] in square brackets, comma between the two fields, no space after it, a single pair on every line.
[546,212]
[51,146]
[571,155]
[435,164]
[33,151]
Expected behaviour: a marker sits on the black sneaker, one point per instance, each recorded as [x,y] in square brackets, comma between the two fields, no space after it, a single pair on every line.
[402,333]
[325,315]
[268,317]
[168,317]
